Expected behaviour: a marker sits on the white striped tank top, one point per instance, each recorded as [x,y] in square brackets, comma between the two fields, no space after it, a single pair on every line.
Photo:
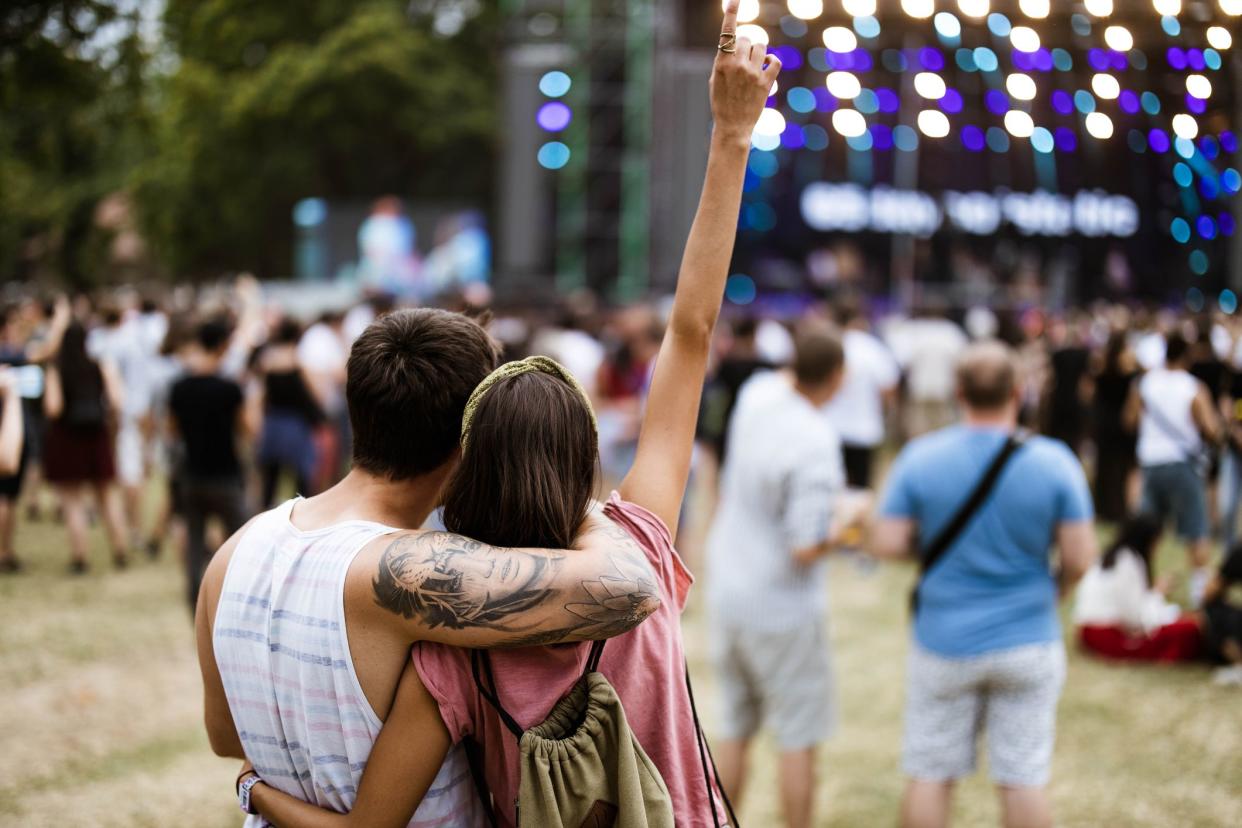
[284,659]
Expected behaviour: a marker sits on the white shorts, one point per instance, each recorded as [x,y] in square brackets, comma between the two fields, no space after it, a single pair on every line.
[130,459]
[780,679]
[1012,694]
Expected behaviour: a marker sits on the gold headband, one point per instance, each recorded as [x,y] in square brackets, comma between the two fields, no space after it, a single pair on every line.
[541,364]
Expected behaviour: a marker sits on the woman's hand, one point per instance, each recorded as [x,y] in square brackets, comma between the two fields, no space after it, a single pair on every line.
[741,80]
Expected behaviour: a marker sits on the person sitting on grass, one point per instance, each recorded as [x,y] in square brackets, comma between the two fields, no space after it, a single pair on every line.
[1222,619]
[530,450]
[1123,612]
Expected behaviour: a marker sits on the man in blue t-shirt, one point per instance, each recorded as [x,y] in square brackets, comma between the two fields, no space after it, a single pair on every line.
[987,649]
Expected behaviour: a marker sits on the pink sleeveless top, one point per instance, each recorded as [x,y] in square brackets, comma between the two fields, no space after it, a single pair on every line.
[646,666]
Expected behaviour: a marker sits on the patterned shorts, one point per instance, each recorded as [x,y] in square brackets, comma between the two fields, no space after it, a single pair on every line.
[1010,694]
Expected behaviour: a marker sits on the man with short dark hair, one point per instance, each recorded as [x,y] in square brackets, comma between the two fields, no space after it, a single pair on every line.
[208,413]
[307,615]
[766,571]
[987,649]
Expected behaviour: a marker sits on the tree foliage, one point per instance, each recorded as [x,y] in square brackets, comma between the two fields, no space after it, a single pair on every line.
[274,102]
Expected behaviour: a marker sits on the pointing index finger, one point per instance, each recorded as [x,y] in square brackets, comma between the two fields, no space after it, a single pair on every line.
[730,18]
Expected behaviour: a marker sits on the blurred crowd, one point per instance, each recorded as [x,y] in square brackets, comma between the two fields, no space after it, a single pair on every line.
[222,401]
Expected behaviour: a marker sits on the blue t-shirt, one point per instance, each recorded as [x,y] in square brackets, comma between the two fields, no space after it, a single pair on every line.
[994,588]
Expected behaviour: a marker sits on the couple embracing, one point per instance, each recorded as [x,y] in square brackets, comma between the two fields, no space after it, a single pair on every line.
[334,637]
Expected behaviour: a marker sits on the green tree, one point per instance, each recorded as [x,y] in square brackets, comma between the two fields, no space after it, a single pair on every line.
[72,126]
[274,102]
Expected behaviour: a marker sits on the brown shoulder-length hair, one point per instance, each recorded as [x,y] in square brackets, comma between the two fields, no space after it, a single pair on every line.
[530,471]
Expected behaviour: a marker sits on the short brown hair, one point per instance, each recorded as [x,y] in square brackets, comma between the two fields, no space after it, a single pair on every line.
[529,472]
[407,382]
[987,375]
[818,352]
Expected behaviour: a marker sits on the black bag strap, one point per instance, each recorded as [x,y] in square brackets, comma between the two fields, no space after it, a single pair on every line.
[936,550]
[705,759]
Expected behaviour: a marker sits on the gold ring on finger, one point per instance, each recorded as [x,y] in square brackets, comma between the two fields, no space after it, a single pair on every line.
[728,43]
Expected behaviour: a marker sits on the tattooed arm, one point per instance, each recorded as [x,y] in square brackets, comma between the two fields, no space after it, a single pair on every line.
[437,586]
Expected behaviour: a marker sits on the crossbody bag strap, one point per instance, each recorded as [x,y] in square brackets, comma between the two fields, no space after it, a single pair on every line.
[934,552]
[1183,441]
[706,759]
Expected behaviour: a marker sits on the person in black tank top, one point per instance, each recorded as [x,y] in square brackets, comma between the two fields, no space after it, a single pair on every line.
[290,415]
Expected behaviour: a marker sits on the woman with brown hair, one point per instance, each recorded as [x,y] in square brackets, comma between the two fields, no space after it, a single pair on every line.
[81,399]
[530,453]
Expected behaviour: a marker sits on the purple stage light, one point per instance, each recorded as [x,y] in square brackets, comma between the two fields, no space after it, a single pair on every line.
[1228,141]
[997,101]
[1098,59]
[1066,140]
[1209,147]
[792,137]
[1129,101]
[1206,227]
[887,99]
[1177,57]
[790,57]
[881,137]
[1043,61]
[1194,58]
[1118,60]
[824,100]
[554,116]
[1226,224]
[973,138]
[931,59]
[1158,141]
[1062,102]
[1024,61]
[1196,105]
[843,61]
[862,60]
[952,101]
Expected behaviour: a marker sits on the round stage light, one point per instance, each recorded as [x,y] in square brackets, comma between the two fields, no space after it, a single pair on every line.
[747,10]
[1026,39]
[849,122]
[806,9]
[755,34]
[1232,8]
[555,84]
[1042,141]
[1106,86]
[919,8]
[553,155]
[933,123]
[840,39]
[1099,125]
[1219,37]
[771,122]
[1099,8]
[1034,8]
[843,85]
[1185,126]
[1171,8]
[859,8]
[974,8]
[929,85]
[1019,123]
[1199,86]
[554,116]
[948,26]
[1021,86]
[1119,38]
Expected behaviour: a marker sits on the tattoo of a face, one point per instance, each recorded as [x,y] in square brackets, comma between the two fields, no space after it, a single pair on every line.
[451,581]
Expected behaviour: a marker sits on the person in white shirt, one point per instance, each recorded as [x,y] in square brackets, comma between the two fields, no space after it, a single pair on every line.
[1123,612]
[1176,419]
[857,410]
[766,590]
[927,349]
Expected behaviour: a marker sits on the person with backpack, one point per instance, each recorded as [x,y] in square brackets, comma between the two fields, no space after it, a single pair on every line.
[81,398]
[588,734]
[1177,423]
[978,504]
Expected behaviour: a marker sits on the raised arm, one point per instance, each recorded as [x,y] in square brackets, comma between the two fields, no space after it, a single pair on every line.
[437,586]
[10,423]
[740,84]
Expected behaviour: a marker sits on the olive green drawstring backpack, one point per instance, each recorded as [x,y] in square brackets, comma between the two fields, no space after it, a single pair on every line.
[581,767]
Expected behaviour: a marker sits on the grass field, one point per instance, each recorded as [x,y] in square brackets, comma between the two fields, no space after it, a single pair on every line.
[100,713]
